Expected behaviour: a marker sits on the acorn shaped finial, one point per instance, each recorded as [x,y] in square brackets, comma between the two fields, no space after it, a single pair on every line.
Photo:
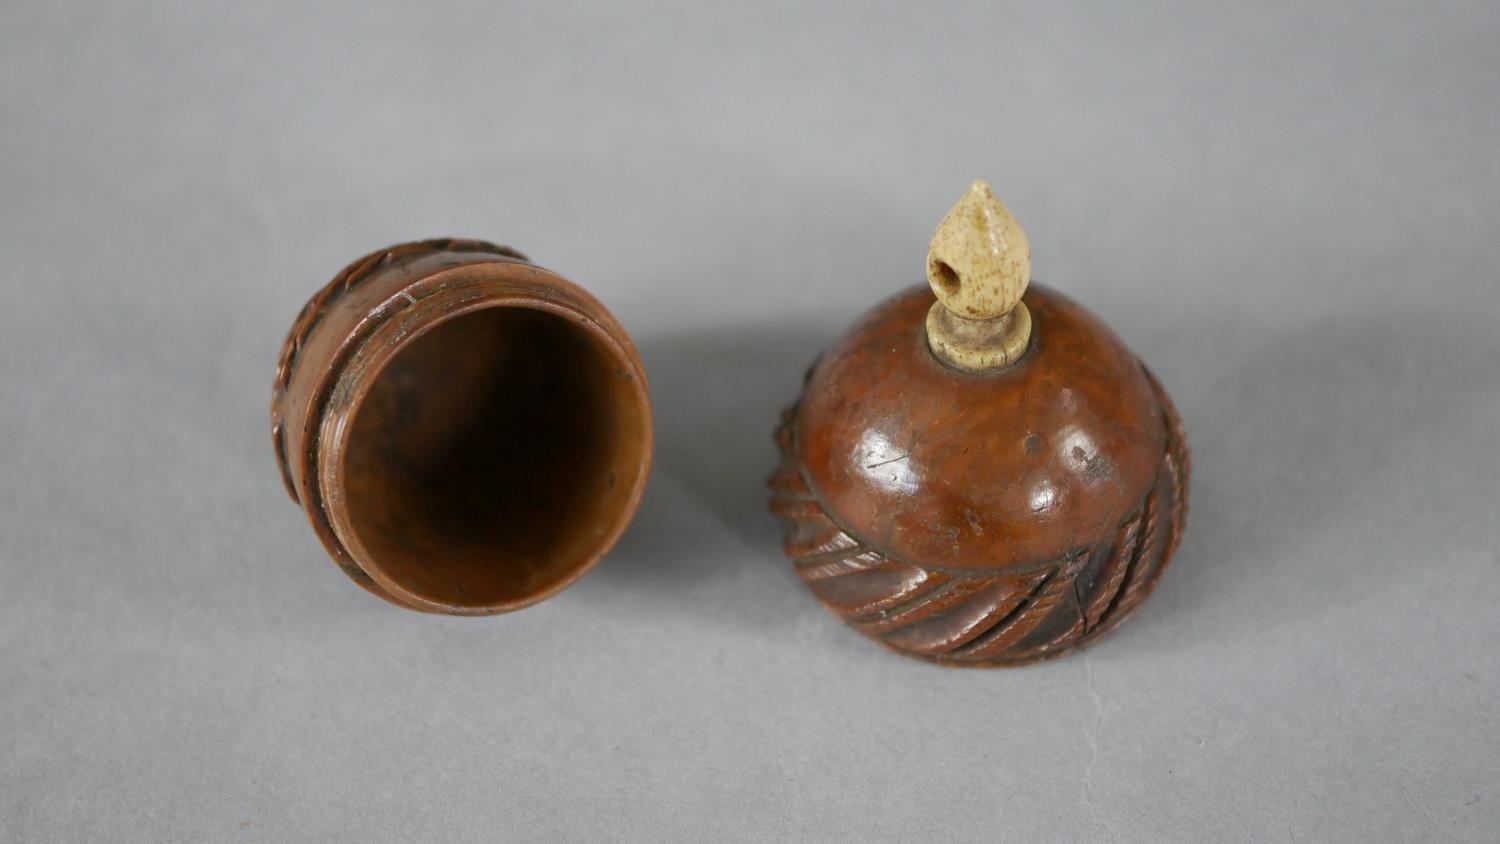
[978,265]
[980,472]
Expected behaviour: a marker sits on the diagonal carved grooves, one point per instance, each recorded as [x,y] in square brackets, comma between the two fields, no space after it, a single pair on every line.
[995,616]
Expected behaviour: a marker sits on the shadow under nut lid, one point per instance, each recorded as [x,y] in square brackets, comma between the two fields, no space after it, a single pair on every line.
[467,432]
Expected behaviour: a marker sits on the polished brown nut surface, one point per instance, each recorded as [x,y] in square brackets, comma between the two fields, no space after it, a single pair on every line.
[467,432]
[980,472]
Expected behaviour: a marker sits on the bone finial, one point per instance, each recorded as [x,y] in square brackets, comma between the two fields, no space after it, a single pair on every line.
[978,265]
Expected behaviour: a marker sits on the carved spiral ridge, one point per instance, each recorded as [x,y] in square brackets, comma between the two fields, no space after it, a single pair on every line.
[312,312]
[994,617]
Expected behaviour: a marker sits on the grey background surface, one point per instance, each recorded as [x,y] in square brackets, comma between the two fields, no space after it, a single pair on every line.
[1288,210]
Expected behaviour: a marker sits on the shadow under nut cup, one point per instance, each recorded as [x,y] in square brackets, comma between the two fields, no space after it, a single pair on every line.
[467,432]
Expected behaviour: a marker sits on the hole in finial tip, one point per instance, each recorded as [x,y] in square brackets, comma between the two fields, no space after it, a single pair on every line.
[945,278]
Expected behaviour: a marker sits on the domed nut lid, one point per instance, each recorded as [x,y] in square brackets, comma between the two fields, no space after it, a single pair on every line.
[981,473]
[467,432]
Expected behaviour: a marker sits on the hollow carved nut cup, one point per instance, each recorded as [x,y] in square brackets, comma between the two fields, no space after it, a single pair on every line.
[991,518]
[467,432]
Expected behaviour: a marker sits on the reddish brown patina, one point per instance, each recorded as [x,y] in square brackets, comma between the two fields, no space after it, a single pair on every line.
[985,518]
[467,432]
